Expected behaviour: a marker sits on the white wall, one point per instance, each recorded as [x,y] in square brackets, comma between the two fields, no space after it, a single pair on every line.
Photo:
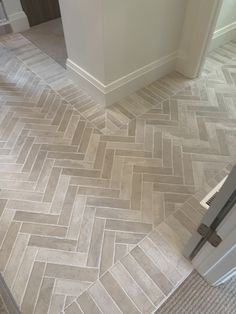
[12,6]
[82,23]
[18,19]
[200,20]
[121,44]
[139,32]
[227,14]
[225,29]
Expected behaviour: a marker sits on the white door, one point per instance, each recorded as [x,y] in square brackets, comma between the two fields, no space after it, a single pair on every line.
[213,247]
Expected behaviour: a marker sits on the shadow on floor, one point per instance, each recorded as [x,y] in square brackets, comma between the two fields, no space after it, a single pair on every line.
[49,37]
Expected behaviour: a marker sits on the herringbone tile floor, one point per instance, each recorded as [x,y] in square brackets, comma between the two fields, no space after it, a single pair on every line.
[97,203]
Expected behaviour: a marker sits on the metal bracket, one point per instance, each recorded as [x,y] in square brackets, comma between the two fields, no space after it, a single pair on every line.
[209,235]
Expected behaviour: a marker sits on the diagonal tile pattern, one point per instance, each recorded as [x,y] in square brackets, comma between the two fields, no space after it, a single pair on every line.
[96,204]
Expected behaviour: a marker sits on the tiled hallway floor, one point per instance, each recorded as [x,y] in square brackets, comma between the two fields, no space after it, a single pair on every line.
[2,307]
[97,203]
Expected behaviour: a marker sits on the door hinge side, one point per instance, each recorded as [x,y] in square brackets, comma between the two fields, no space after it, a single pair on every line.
[209,235]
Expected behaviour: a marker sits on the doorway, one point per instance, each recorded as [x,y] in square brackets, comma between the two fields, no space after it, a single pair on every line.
[208,25]
[46,30]
[40,11]
[223,40]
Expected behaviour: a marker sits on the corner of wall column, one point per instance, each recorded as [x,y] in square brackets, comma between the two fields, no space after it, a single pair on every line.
[199,25]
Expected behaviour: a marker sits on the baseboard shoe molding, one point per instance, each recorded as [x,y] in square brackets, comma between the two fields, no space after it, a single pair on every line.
[19,22]
[116,90]
[7,298]
[223,35]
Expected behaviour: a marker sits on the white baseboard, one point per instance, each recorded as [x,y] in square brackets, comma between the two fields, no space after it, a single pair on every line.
[223,35]
[126,85]
[19,22]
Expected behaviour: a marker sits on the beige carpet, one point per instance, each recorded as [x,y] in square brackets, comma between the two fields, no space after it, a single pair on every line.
[195,296]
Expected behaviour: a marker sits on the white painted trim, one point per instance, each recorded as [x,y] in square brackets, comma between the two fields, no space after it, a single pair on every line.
[211,193]
[224,30]
[116,90]
[72,66]
[223,35]
[18,21]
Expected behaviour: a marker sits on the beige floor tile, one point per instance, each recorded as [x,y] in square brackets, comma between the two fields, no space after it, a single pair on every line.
[87,304]
[44,297]
[33,287]
[61,257]
[15,259]
[141,301]
[57,304]
[118,295]
[52,243]
[24,274]
[103,300]
[71,272]
[70,287]
[73,309]
[152,270]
